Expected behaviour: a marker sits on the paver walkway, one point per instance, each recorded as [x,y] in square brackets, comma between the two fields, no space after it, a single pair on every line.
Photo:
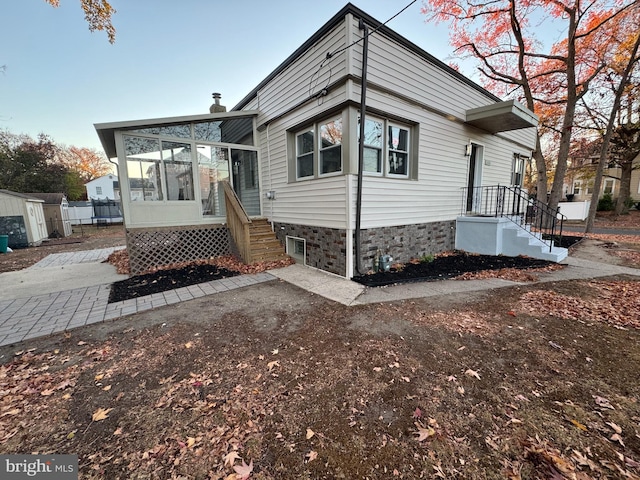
[25,318]
[68,258]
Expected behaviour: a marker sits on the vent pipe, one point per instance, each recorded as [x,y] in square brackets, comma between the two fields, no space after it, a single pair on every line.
[216,107]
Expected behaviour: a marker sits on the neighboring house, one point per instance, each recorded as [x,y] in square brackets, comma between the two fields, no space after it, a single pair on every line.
[56,213]
[289,151]
[102,188]
[581,172]
[22,219]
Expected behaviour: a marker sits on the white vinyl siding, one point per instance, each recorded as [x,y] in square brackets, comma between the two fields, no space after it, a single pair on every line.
[433,192]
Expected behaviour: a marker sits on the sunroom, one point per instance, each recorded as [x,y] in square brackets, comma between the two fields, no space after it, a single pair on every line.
[179,177]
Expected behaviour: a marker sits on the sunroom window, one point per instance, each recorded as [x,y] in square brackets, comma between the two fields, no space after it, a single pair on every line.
[143,168]
[178,170]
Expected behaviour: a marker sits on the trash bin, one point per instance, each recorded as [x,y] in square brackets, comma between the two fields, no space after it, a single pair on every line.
[4,243]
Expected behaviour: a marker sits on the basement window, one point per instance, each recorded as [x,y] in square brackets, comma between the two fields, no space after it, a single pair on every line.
[297,249]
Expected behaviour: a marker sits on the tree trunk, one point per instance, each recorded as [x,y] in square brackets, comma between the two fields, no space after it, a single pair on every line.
[625,188]
[541,169]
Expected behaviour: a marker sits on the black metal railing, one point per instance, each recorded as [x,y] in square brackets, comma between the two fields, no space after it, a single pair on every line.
[514,203]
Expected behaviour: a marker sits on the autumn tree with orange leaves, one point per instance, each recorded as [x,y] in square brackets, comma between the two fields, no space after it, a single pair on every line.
[98,15]
[88,163]
[551,76]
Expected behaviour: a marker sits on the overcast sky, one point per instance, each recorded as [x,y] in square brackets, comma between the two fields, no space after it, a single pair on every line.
[169,56]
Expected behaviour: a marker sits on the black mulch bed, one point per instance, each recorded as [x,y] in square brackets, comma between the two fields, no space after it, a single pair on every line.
[164,280]
[440,268]
[444,267]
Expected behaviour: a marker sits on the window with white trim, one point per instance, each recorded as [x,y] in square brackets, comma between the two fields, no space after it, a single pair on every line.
[398,159]
[576,188]
[98,190]
[394,161]
[319,149]
[608,186]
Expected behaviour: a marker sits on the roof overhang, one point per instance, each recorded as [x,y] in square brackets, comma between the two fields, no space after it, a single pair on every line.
[106,131]
[501,117]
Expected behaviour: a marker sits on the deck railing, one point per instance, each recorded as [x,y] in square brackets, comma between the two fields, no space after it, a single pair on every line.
[514,203]
[238,222]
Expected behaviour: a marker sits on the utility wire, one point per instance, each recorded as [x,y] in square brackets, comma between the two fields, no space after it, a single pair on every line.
[340,50]
[316,75]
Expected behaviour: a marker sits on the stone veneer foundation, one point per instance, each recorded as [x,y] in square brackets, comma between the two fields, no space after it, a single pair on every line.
[326,247]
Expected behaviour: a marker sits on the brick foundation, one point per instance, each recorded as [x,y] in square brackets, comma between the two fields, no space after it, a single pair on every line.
[326,247]
[404,242]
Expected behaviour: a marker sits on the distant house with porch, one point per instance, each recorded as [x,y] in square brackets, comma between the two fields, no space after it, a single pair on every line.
[289,154]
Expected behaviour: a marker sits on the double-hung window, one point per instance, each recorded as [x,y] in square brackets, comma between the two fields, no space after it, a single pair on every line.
[330,147]
[398,142]
[305,145]
[392,161]
[319,149]
[373,142]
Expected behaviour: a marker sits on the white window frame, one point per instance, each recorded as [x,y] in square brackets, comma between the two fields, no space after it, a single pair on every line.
[312,153]
[291,243]
[407,152]
[334,146]
[608,184]
[98,190]
[317,152]
[380,149]
[386,148]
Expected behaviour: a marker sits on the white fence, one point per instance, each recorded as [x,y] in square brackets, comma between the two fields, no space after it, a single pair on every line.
[575,210]
[83,214]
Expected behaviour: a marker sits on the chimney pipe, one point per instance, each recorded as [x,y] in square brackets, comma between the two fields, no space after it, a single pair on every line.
[216,107]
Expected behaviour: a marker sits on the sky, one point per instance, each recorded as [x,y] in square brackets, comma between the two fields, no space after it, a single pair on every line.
[168,58]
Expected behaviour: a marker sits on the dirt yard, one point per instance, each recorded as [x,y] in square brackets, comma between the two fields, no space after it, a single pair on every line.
[538,381]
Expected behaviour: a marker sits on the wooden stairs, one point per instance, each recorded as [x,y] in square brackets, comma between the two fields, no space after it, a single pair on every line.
[263,244]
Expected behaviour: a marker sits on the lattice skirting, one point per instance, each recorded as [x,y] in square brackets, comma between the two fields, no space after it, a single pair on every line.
[155,247]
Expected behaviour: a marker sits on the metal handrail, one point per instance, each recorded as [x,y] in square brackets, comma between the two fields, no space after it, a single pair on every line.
[514,203]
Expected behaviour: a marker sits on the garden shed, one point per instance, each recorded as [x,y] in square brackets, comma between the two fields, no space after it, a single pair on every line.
[22,219]
[56,213]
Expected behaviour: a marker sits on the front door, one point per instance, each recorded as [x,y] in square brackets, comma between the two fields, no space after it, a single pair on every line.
[474,192]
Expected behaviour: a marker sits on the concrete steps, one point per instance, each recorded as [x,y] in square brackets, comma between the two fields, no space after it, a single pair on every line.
[519,240]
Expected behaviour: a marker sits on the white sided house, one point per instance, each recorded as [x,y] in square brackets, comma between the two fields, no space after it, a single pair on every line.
[289,154]
[103,188]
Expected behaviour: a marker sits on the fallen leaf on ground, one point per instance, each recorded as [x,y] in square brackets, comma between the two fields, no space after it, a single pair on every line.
[244,470]
[311,456]
[101,414]
[423,433]
[603,402]
[615,427]
[310,433]
[472,373]
[231,457]
[272,365]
